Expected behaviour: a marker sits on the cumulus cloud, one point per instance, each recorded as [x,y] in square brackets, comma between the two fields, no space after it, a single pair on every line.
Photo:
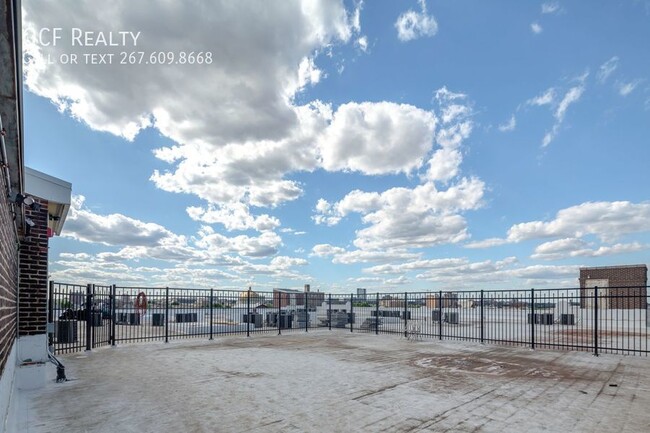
[412,25]
[411,218]
[209,256]
[237,128]
[463,273]
[428,214]
[234,216]
[536,28]
[606,220]
[377,138]
[575,247]
[455,127]
[264,245]
[114,229]
[341,255]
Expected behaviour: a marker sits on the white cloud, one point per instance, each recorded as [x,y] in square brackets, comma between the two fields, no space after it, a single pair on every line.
[362,43]
[575,247]
[326,250]
[412,218]
[412,25]
[625,89]
[455,126]
[550,7]
[606,220]
[377,138]
[285,262]
[487,243]
[536,28]
[341,255]
[607,69]
[546,98]
[427,214]
[264,245]
[460,273]
[235,216]
[570,97]
[416,265]
[115,229]
[573,95]
[237,127]
[509,126]
[240,95]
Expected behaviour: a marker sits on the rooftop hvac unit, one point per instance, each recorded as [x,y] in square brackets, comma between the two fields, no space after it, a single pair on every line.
[255,319]
[157,319]
[186,317]
[567,319]
[452,318]
[66,331]
[542,318]
[286,321]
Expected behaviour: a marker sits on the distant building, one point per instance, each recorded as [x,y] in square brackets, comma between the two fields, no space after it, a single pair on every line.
[361,294]
[391,302]
[619,287]
[287,298]
[295,298]
[255,298]
[449,300]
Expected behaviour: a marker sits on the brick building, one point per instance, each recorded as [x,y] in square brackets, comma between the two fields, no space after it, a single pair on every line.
[33,207]
[295,298]
[619,287]
[449,300]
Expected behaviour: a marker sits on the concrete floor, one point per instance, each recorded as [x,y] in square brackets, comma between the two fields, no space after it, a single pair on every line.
[339,382]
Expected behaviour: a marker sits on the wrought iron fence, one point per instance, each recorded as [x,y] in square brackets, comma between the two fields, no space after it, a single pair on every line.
[605,320]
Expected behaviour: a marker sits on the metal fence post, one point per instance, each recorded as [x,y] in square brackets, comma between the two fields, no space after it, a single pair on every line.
[482,320]
[351,312]
[248,313]
[406,309]
[88,316]
[112,313]
[377,315]
[306,311]
[440,315]
[329,311]
[532,318]
[279,319]
[166,314]
[596,321]
[211,310]
[50,316]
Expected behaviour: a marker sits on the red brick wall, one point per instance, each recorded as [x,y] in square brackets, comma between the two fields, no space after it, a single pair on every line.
[33,274]
[627,284]
[8,276]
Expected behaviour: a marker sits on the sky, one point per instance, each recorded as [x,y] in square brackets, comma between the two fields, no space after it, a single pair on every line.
[394,146]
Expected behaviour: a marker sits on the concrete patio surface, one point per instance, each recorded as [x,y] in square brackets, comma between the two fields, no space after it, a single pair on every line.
[329,381]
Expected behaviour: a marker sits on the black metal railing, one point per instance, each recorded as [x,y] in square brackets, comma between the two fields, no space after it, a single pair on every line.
[600,320]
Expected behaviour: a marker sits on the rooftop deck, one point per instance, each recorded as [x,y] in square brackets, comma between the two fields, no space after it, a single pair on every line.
[339,382]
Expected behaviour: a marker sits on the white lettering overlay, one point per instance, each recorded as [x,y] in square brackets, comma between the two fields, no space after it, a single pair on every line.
[106,39]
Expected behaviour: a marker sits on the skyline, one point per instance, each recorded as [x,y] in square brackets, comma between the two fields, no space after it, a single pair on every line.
[392,146]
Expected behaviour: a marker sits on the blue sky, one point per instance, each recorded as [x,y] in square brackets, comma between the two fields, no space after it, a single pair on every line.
[396,146]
